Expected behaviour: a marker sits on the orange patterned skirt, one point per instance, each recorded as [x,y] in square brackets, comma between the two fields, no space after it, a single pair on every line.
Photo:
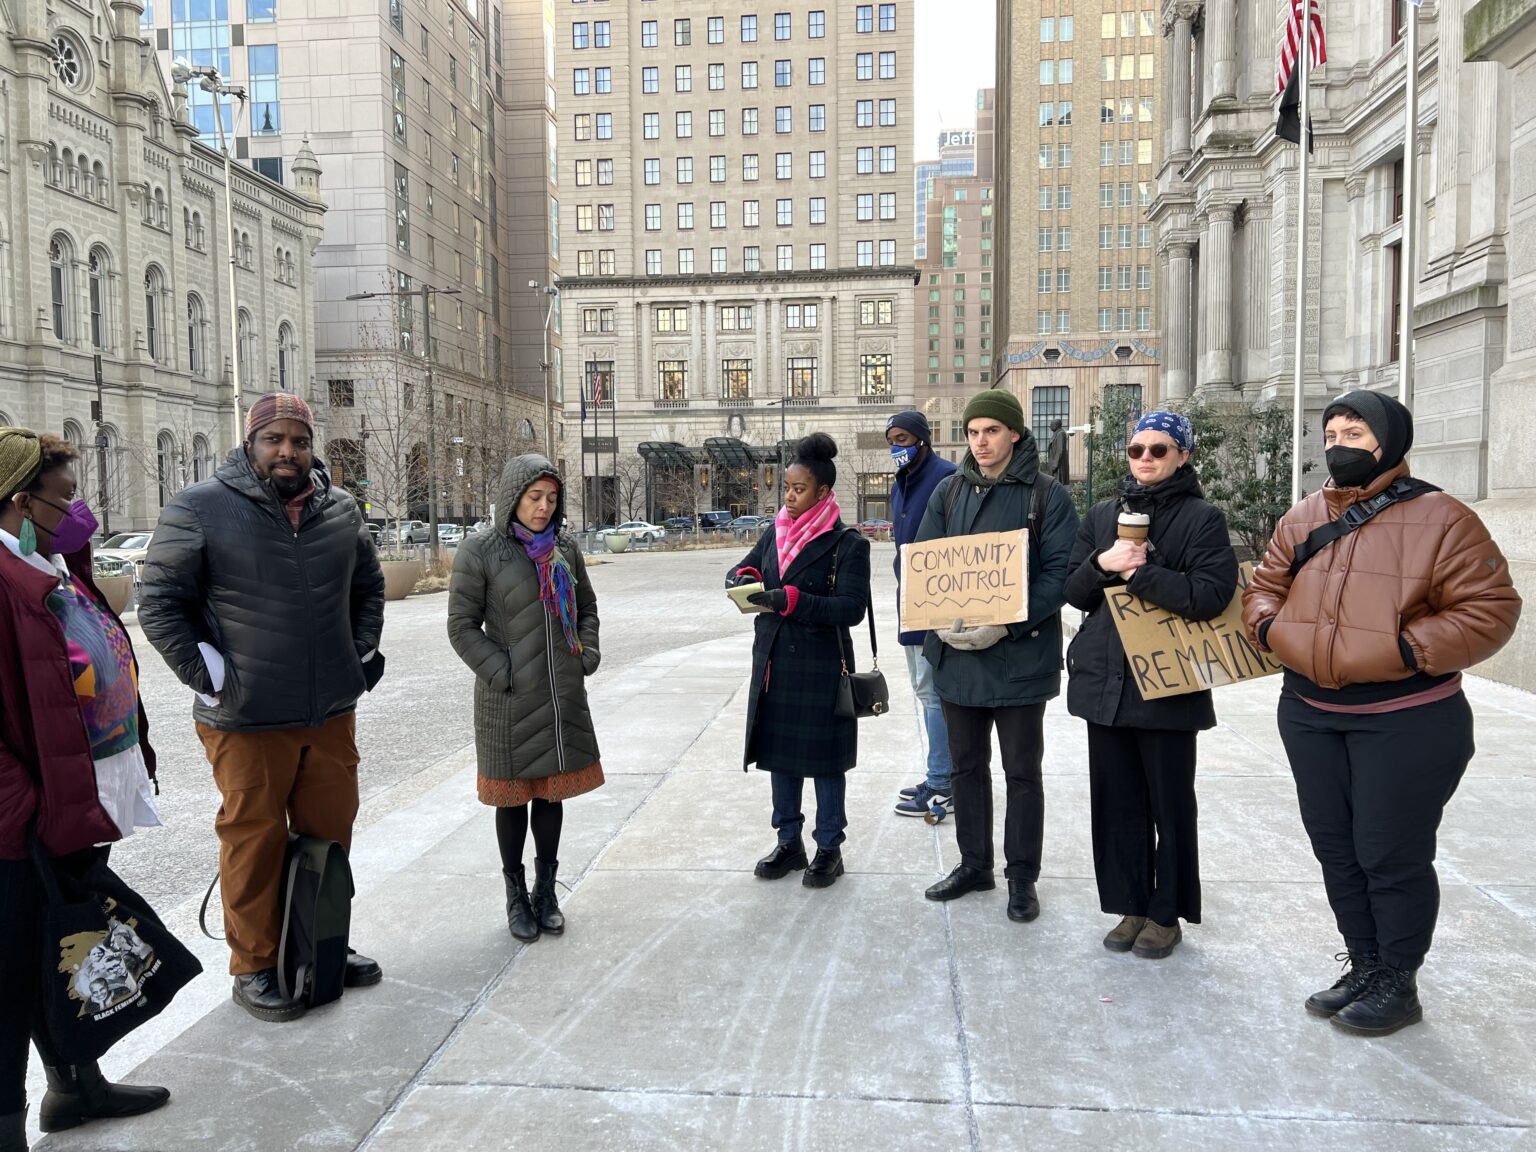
[516,793]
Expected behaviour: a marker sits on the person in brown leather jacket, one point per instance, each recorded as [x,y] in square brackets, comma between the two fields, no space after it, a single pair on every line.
[1374,630]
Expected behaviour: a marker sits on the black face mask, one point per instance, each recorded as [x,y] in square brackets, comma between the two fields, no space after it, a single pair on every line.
[1351,467]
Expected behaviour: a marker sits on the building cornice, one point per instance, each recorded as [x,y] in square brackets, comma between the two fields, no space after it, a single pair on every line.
[766,281]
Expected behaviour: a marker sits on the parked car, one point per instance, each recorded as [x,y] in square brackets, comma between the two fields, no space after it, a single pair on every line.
[876,529]
[710,521]
[747,525]
[641,530]
[375,531]
[406,532]
[450,533]
[678,524]
[126,551]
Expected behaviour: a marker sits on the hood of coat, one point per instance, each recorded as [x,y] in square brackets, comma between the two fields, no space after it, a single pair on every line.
[1022,469]
[1149,497]
[520,472]
[238,473]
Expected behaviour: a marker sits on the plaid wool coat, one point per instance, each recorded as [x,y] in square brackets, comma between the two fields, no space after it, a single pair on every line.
[795,664]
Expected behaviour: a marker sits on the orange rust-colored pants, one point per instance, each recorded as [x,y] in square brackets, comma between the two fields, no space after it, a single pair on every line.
[299,779]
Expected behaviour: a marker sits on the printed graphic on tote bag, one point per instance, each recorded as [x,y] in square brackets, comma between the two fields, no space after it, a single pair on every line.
[106,969]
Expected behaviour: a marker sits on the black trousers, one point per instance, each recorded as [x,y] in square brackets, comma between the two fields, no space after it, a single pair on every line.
[1372,789]
[1021,735]
[21,915]
[1146,853]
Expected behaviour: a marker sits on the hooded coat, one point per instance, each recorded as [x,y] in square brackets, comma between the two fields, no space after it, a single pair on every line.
[531,714]
[797,659]
[1191,570]
[292,612]
[1024,668]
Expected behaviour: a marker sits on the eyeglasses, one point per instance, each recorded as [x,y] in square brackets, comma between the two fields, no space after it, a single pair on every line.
[1156,451]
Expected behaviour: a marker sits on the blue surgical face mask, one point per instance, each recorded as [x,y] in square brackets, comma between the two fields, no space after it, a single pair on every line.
[904,456]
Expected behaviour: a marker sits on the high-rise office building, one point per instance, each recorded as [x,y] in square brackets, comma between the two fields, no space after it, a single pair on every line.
[1079,139]
[735,223]
[956,156]
[434,128]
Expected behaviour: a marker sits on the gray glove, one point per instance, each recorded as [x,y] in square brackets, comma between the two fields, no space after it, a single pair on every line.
[976,639]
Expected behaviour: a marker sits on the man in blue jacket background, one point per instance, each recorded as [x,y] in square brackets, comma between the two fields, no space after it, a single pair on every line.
[918,472]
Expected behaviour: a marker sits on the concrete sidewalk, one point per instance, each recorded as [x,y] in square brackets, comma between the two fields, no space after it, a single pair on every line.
[692,1006]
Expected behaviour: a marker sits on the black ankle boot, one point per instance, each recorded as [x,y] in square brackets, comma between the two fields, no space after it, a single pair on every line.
[521,921]
[546,909]
[825,869]
[1358,967]
[13,1132]
[79,1092]
[1389,1001]
[1023,904]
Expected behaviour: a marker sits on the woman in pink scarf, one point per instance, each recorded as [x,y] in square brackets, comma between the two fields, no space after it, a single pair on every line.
[815,576]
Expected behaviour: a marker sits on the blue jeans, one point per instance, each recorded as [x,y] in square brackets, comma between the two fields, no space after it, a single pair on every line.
[932,712]
[831,815]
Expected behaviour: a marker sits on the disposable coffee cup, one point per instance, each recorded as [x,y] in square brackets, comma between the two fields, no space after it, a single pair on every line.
[1133,526]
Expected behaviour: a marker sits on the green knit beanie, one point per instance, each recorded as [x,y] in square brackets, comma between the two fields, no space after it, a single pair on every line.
[20,458]
[996,404]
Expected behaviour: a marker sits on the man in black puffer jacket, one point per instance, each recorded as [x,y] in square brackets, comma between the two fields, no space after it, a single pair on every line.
[263,592]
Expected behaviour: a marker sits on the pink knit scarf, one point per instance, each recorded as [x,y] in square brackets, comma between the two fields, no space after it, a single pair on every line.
[793,533]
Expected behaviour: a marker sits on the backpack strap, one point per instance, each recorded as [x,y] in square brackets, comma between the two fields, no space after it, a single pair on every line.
[869,603]
[1399,491]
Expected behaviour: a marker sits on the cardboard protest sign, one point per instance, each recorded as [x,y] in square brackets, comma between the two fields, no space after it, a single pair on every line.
[1170,656]
[981,579]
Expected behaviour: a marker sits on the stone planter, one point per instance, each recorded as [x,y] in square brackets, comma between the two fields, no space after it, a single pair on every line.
[117,589]
[617,541]
[400,577]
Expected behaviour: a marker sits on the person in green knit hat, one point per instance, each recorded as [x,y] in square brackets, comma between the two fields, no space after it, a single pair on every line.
[995,675]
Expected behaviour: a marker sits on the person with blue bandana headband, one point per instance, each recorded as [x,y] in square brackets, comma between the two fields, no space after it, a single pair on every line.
[918,472]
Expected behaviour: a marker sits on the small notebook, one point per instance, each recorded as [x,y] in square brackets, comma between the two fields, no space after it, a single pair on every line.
[739,596]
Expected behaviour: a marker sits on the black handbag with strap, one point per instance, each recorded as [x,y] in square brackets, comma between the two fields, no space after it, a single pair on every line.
[859,694]
[1402,489]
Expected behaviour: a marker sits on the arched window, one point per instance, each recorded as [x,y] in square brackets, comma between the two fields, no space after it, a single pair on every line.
[98,267]
[109,451]
[99,174]
[71,173]
[61,274]
[154,285]
[197,231]
[165,466]
[196,357]
[284,356]
[202,458]
[245,346]
[87,187]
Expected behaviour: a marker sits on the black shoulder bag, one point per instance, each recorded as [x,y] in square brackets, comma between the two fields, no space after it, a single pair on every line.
[1402,489]
[859,694]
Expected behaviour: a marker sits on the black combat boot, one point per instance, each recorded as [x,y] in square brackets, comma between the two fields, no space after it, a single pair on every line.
[1358,967]
[79,1092]
[546,909]
[13,1132]
[1389,1001]
[521,921]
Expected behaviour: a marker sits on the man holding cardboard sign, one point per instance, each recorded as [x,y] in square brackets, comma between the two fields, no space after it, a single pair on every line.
[998,539]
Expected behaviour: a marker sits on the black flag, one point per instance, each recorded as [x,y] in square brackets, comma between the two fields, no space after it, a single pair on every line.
[1288,126]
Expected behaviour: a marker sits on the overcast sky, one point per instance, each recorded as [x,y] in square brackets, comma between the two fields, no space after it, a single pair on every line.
[954,41]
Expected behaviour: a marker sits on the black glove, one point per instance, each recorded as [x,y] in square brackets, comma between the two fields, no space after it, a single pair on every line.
[737,579]
[373,671]
[774,599]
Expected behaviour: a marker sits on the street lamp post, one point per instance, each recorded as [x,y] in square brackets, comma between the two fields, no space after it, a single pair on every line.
[209,80]
[426,292]
[550,291]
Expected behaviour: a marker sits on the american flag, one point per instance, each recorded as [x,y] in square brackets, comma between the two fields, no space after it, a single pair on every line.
[1288,127]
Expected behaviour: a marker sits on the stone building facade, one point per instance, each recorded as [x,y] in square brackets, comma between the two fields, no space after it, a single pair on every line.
[735,230]
[113,251]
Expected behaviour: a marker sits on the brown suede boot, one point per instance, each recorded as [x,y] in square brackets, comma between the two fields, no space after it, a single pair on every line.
[1154,941]
[1123,935]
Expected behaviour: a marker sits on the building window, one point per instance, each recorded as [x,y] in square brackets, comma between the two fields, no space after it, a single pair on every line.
[818,209]
[266,112]
[864,18]
[285,352]
[682,78]
[751,258]
[749,74]
[802,377]
[782,74]
[61,259]
[648,34]
[887,17]
[864,254]
[887,65]
[650,81]
[671,319]
[717,260]
[817,70]
[781,25]
[717,30]
[887,159]
[397,91]
[736,379]
[716,214]
[578,34]
[818,166]
[196,358]
[682,33]
[653,261]
[875,374]
[685,261]
[816,25]
[749,29]
[581,81]
[717,77]
[672,380]
[1048,403]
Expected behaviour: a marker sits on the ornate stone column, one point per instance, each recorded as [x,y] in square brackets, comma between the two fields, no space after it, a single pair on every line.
[1179,97]
[762,382]
[1221,24]
[828,381]
[1256,263]
[711,382]
[1216,275]
[645,367]
[698,371]
[1179,311]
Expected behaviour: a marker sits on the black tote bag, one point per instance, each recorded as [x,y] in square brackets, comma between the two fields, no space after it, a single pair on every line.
[108,963]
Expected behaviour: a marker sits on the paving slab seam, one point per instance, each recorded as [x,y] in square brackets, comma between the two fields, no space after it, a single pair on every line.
[696,1093]
[958,1000]
[1281,1117]
[494,984]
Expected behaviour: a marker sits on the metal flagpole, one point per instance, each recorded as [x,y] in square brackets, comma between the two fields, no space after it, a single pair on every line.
[1298,385]
[1408,245]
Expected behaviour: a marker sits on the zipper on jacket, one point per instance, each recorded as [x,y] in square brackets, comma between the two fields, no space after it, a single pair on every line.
[554,692]
[315,720]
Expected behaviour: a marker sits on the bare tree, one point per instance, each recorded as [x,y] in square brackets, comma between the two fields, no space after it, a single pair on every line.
[629,474]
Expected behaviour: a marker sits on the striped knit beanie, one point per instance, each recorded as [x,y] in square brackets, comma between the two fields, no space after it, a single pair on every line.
[278,406]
